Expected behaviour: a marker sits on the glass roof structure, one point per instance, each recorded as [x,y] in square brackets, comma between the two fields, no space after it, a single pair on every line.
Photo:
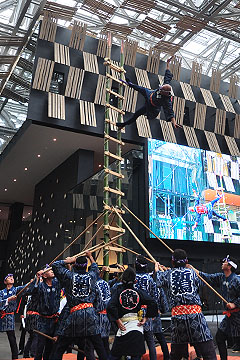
[206,31]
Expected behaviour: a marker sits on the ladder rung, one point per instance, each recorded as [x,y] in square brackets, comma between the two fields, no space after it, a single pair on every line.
[113,78]
[113,228]
[114,67]
[120,211]
[114,124]
[115,109]
[114,270]
[113,139]
[115,94]
[108,171]
[118,192]
[107,153]
[111,122]
[114,248]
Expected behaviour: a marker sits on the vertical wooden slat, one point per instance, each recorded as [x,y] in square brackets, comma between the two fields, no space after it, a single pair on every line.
[200,116]
[196,74]
[215,80]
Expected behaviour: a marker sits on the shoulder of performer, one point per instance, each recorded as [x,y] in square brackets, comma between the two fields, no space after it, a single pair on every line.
[94,268]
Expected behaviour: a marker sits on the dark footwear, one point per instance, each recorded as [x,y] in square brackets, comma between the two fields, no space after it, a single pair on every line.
[120,125]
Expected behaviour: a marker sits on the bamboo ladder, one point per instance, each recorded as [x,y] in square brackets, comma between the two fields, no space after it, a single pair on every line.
[117,156]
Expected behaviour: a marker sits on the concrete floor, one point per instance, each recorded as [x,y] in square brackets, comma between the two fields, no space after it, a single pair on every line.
[5,353]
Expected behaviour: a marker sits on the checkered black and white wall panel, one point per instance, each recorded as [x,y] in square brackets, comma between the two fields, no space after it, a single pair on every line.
[210,120]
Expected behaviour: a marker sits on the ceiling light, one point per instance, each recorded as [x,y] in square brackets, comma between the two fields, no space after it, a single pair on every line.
[5,189]
[25,168]
[39,155]
[14,180]
[29,213]
[54,139]
[99,165]
[0,210]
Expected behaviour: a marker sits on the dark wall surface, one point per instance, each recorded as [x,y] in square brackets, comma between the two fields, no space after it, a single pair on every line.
[34,244]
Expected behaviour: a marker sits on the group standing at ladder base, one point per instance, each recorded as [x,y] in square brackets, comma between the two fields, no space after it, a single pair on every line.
[131,304]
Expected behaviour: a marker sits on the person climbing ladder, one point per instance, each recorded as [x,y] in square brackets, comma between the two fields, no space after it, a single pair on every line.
[154,100]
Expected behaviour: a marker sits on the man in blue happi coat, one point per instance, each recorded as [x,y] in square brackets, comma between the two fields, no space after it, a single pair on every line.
[103,296]
[154,100]
[8,305]
[188,324]
[229,283]
[46,295]
[82,322]
[144,281]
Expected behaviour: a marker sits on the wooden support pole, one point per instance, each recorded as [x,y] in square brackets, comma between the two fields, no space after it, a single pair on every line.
[97,247]
[141,222]
[25,287]
[82,253]
[135,237]
[200,277]
[51,338]
[134,252]
[78,237]
[210,287]
[93,237]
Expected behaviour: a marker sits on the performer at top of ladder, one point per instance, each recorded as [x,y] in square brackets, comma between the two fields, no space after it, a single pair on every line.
[154,100]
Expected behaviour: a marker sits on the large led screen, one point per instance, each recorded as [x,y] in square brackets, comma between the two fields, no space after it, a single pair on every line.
[194,194]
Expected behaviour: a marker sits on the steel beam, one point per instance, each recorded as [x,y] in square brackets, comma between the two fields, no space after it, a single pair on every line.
[214,54]
[223,54]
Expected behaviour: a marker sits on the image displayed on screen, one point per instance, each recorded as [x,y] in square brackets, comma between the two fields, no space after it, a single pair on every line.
[194,194]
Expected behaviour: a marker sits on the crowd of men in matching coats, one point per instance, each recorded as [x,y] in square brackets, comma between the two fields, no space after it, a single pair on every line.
[75,306]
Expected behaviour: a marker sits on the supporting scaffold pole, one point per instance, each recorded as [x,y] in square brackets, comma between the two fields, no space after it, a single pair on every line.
[117,142]
[106,158]
[119,153]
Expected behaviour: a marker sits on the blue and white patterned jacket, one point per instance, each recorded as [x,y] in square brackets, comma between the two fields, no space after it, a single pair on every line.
[182,286]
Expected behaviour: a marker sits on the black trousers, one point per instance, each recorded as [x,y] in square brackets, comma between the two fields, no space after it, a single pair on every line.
[105,341]
[22,339]
[206,348]
[141,111]
[89,349]
[31,345]
[44,348]
[221,339]
[63,342]
[162,342]
[13,343]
